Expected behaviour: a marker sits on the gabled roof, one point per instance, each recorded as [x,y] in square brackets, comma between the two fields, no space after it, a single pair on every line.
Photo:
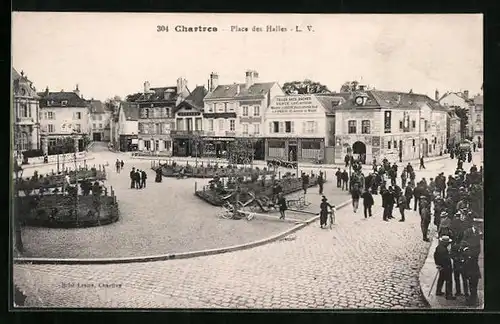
[257,90]
[96,107]
[130,110]
[56,99]
[391,99]
[195,99]
[331,100]
[160,94]
[22,82]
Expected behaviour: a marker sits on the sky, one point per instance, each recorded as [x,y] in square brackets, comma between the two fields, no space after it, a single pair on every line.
[110,54]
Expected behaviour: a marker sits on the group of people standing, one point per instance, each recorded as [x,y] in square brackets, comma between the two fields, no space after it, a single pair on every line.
[119,165]
[138,179]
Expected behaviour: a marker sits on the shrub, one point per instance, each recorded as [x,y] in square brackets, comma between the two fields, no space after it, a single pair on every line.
[32,153]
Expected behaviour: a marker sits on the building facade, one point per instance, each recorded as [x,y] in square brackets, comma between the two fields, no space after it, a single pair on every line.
[477,121]
[187,136]
[301,127]
[459,103]
[392,125]
[26,114]
[453,129]
[127,127]
[100,119]
[236,111]
[63,114]
[156,117]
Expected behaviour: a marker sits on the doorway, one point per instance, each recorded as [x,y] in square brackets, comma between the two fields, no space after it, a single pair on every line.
[96,137]
[292,152]
[359,148]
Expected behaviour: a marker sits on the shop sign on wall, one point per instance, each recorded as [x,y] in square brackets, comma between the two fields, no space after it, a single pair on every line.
[294,105]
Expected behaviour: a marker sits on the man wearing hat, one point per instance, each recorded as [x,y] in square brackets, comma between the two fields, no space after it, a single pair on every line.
[443,263]
[323,214]
[472,273]
[438,209]
[425,217]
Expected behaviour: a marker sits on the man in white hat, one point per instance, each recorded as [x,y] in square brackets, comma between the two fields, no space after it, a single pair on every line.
[443,263]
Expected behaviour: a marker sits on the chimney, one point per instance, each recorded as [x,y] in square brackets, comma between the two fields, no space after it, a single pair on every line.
[466,94]
[436,95]
[181,85]
[214,81]
[77,91]
[238,88]
[47,91]
[249,81]
[146,87]
[399,98]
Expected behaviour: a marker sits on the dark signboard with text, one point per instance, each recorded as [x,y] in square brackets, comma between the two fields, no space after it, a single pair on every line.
[387,121]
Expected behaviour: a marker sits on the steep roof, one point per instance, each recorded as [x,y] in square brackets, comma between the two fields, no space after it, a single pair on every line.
[160,94]
[96,106]
[392,99]
[56,98]
[195,99]
[257,90]
[130,110]
[331,100]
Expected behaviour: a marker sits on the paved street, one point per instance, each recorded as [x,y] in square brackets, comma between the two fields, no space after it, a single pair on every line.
[360,263]
[163,218]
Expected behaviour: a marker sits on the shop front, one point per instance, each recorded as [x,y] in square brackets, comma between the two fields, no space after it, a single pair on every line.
[297,149]
[129,143]
[216,147]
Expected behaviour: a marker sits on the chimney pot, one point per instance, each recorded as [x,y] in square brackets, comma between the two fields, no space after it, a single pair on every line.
[214,81]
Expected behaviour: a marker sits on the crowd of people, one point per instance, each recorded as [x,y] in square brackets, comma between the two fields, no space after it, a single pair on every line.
[453,202]
[138,178]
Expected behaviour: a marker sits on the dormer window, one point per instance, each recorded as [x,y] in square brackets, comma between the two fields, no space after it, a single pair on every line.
[64,102]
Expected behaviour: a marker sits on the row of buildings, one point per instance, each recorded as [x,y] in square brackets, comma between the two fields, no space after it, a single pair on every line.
[371,123]
[182,121]
[43,119]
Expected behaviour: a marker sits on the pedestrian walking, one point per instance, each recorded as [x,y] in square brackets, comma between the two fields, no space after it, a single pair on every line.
[282,205]
[305,182]
[402,204]
[469,157]
[117,165]
[417,193]
[367,203]
[338,175]
[386,198]
[347,159]
[132,178]
[320,182]
[122,164]
[457,256]
[403,179]
[422,166]
[408,195]
[425,217]
[443,263]
[144,176]
[355,195]
[138,179]
[345,180]
[323,214]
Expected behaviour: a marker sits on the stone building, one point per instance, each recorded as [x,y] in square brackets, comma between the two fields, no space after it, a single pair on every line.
[63,114]
[101,120]
[235,111]
[26,114]
[156,116]
[301,127]
[388,124]
[189,124]
[127,126]
[477,120]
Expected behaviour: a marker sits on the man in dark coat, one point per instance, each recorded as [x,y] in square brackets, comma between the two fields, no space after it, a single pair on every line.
[338,174]
[347,159]
[472,273]
[408,195]
[417,192]
[345,180]
[409,168]
[321,181]
[132,179]
[305,182]
[443,263]
[386,201]
[457,255]
[425,216]
[144,176]
[324,207]
[276,191]
[402,206]
[367,202]
[122,164]
[422,166]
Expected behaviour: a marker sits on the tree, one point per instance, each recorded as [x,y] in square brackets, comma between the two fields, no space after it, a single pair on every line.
[349,86]
[241,151]
[133,97]
[304,87]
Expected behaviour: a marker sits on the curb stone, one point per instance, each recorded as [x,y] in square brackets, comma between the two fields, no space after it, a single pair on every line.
[184,255]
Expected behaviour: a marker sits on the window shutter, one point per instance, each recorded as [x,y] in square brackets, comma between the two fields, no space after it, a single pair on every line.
[292,127]
[270,127]
[282,127]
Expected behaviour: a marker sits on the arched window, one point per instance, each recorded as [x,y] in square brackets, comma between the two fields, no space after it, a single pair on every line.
[23,109]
